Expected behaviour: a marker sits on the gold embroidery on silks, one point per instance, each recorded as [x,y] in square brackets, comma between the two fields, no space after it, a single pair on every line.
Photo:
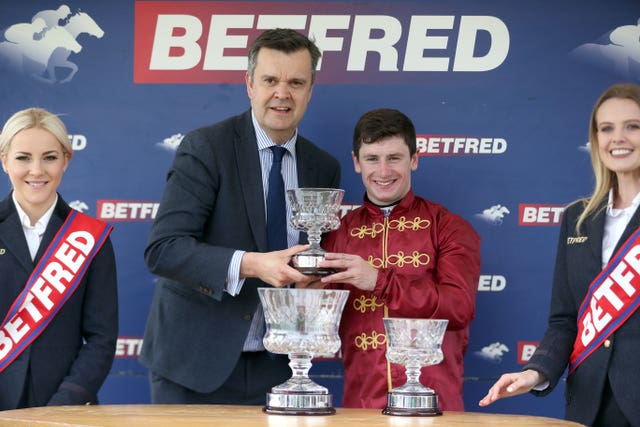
[416,259]
[375,262]
[363,342]
[363,231]
[402,224]
[361,304]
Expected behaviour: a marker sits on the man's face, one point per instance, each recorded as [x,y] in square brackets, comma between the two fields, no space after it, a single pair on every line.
[386,166]
[280,91]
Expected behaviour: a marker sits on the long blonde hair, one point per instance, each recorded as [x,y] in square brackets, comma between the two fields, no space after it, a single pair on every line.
[605,178]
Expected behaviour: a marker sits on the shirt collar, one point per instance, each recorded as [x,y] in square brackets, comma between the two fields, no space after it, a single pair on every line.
[264,142]
[610,211]
[41,224]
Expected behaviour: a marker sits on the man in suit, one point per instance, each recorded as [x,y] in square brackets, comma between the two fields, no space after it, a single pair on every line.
[209,244]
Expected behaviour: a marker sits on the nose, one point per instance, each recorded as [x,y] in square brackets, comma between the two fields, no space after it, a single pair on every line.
[384,167]
[618,134]
[36,167]
[282,91]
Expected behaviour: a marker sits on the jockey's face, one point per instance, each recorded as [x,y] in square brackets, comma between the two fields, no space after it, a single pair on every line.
[386,166]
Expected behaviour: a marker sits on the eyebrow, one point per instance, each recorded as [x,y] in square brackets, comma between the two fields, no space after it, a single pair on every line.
[45,153]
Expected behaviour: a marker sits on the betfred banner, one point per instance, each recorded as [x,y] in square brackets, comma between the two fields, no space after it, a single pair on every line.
[207,42]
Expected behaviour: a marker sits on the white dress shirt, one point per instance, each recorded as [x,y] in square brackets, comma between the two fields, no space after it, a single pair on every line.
[33,233]
[616,220]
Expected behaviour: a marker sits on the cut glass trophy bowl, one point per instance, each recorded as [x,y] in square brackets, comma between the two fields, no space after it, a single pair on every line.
[314,211]
[301,323]
[414,343]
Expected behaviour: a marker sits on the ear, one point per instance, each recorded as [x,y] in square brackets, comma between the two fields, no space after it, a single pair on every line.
[356,163]
[3,156]
[67,158]
[247,80]
[414,162]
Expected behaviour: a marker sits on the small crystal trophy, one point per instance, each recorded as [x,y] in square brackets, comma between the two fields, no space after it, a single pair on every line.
[301,323]
[414,343]
[315,211]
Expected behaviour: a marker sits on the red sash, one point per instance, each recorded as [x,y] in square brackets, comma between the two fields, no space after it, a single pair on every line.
[613,296]
[51,284]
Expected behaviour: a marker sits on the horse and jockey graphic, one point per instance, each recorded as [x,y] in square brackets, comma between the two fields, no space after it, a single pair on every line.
[494,215]
[41,48]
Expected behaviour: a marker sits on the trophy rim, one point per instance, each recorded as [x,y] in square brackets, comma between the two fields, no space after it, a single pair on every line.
[416,318]
[315,189]
[297,290]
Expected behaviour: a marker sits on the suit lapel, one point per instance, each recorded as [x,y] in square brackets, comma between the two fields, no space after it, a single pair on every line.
[246,151]
[11,235]
[594,227]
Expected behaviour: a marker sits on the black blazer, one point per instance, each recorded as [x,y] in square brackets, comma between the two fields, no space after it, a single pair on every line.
[212,205]
[60,368]
[578,262]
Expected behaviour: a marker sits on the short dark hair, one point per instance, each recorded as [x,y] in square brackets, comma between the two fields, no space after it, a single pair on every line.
[284,40]
[380,123]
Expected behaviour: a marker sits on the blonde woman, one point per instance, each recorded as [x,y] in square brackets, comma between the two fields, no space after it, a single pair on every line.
[594,327]
[58,297]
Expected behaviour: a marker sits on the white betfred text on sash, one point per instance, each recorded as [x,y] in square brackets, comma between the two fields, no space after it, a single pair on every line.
[612,298]
[611,295]
[50,287]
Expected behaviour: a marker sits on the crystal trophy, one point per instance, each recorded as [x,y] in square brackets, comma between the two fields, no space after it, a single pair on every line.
[414,343]
[315,211]
[301,323]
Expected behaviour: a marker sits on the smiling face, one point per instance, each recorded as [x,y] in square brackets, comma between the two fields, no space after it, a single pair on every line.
[618,136]
[386,166]
[35,162]
[280,91]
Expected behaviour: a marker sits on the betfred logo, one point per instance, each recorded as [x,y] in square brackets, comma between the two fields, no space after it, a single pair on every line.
[78,142]
[525,351]
[126,210]
[529,215]
[207,42]
[491,283]
[446,145]
[128,347]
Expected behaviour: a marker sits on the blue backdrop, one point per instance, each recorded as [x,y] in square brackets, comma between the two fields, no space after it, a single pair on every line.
[500,93]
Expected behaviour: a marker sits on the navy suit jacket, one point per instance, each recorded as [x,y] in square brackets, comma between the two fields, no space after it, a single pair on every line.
[213,204]
[578,262]
[60,368]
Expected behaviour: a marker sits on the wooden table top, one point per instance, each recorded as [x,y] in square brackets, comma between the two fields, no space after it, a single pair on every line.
[247,416]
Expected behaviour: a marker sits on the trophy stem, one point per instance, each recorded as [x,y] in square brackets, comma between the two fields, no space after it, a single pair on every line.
[314,236]
[300,364]
[413,375]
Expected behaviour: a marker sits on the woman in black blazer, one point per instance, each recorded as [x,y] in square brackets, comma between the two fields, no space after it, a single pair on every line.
[62,277]
[603,385]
